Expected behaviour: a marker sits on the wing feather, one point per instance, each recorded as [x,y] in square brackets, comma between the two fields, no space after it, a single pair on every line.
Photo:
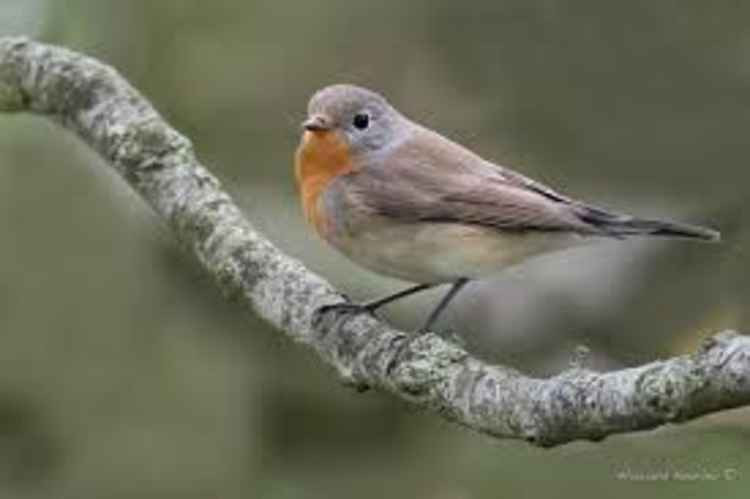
[431,179]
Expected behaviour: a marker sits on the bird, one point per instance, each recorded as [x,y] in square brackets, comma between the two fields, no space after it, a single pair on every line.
[403,201]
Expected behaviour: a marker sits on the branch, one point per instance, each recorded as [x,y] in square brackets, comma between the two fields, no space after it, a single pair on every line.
[96,103]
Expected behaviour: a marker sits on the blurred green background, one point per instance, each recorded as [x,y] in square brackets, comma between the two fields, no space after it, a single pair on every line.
[124,374]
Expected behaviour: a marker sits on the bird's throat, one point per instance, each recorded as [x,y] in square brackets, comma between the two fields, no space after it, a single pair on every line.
[320,157]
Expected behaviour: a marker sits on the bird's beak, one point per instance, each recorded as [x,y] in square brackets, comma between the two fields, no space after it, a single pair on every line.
[317,123]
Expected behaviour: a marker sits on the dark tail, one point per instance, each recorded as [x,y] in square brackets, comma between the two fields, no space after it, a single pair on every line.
[617,225]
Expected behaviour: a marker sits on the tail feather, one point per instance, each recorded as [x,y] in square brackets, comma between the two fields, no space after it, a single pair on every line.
[617,225]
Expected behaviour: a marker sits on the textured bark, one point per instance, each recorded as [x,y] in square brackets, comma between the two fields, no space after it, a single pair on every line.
[95,102]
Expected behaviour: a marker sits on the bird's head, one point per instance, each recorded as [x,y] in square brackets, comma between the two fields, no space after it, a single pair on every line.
[361,118]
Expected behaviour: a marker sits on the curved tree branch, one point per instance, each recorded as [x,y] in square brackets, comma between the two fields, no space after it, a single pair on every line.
[95,102]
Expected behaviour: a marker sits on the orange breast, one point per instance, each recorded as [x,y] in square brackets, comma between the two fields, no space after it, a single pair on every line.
[321,157]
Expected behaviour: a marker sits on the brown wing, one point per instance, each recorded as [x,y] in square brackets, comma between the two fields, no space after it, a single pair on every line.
[431,179]
[417,183]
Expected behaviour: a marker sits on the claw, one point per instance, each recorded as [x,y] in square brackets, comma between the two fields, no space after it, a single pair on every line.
[346,308]
[341,309]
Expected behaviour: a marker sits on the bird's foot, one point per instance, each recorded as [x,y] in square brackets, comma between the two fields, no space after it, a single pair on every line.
[422,330]
[344,308]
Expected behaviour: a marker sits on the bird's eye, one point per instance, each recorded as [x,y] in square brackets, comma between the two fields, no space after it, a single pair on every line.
[361,121]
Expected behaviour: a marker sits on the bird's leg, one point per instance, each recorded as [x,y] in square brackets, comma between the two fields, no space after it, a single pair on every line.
[371,306]
[441,306]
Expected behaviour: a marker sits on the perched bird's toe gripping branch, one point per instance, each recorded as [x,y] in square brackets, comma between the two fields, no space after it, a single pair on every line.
[96,103]
[371,307]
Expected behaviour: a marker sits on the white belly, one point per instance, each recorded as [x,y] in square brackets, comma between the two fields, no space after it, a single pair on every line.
[443,252]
